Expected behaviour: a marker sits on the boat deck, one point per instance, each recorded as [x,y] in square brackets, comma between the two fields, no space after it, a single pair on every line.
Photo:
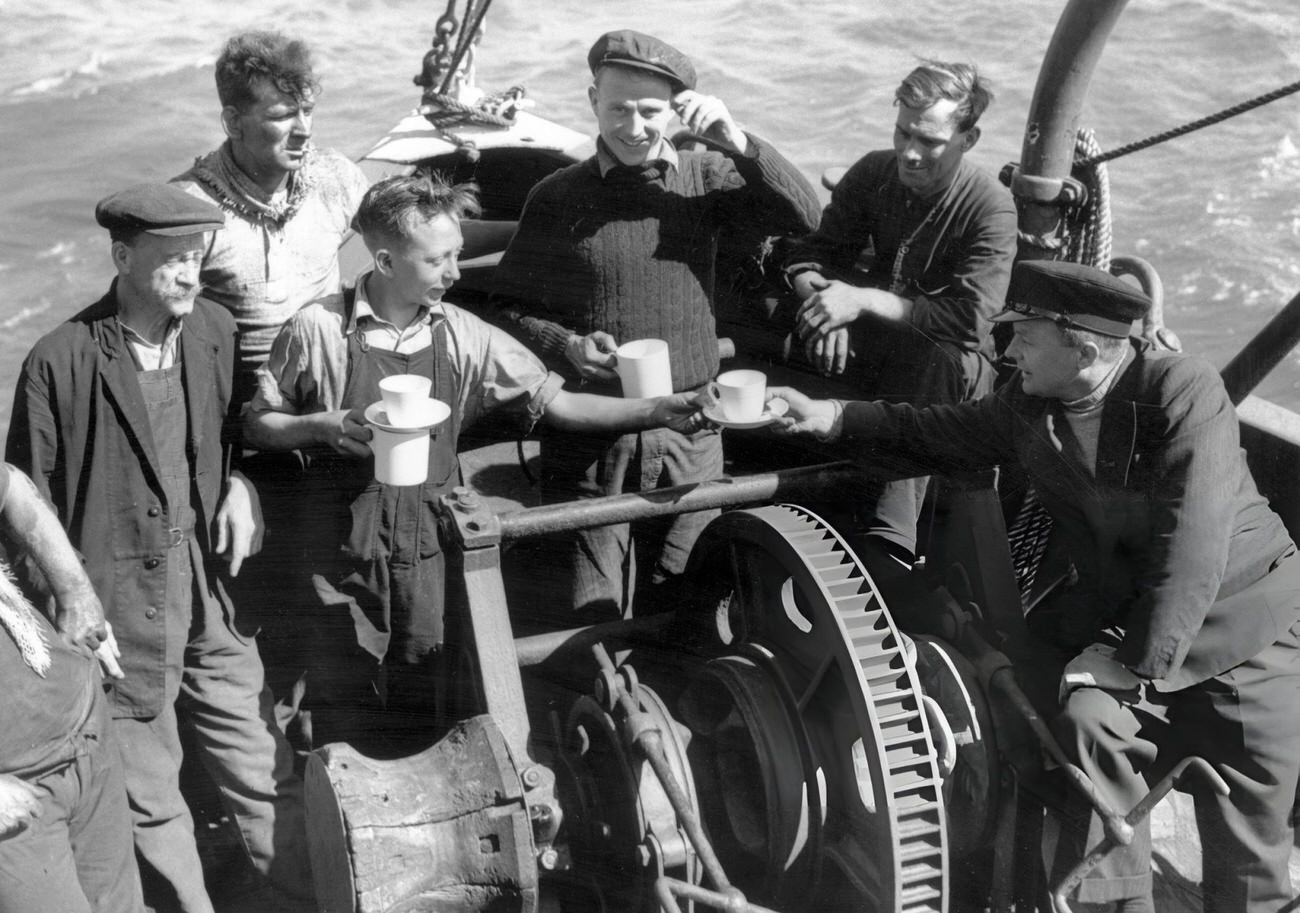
[494,471]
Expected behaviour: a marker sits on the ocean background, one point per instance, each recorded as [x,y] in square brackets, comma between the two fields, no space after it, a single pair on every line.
[100,94]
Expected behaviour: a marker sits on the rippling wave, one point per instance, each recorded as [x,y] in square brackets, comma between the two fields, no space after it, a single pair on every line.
[97,94]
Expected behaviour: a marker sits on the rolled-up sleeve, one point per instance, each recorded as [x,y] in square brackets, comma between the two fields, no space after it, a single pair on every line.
[306,371]
[497,370]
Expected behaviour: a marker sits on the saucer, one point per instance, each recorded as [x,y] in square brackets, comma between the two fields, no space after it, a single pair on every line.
[432,412]
[774,410]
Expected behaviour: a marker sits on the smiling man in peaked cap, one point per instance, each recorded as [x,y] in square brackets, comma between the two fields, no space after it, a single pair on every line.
[1181,635]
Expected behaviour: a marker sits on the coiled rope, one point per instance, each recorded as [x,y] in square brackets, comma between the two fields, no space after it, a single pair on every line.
[443,64]
[1223,115]
[1089,229]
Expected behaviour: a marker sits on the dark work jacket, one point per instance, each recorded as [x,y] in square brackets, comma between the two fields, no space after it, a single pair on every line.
[80,430]
[957,266]
[1172,541]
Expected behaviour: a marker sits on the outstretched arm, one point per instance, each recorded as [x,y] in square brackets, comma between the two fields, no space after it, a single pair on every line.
[589,412]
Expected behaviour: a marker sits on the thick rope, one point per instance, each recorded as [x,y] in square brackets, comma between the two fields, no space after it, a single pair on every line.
[1193,126]
[1090,227]
[491,110]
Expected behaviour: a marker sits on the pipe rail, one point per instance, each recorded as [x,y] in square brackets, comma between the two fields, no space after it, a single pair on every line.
[741,491]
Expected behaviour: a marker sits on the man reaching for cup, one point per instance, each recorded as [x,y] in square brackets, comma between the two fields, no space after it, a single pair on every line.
[622,247]
[374,555]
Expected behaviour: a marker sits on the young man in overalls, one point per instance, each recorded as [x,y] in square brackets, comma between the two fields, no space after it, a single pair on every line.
[375,559]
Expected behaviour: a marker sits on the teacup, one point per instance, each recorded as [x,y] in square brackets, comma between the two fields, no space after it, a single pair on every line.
[643,368]
[404,395]
[741,395]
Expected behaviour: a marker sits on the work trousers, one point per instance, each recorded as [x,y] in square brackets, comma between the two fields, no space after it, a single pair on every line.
[215,686]
[76,857]
[607,564]
[1245,723]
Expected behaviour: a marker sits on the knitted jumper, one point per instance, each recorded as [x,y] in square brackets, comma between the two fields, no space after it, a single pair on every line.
[632,253]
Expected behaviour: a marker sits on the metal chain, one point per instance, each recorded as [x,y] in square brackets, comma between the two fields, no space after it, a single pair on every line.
[1194,125]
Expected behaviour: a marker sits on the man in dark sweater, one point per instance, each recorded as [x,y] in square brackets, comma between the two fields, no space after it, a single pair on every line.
[1181,634]
[621,247]
[941,237]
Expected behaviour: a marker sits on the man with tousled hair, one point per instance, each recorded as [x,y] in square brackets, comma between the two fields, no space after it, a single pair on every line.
[287,203]
[940,237]
[375,555]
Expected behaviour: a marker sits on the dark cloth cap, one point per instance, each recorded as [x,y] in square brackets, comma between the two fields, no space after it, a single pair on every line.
[1073,295]
[159,209]
[626,48]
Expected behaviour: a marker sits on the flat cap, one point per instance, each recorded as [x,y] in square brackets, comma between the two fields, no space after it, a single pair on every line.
[1073,295]
[159,209]
[626,48]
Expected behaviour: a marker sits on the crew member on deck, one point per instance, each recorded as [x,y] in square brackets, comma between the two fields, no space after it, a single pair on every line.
[1182,635]
[374,548]
[122,418]
[288,205]
[938,236]
[622,247]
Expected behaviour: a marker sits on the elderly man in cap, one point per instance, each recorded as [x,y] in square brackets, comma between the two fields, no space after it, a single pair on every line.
[1181,635]
[621,247]
[122,418]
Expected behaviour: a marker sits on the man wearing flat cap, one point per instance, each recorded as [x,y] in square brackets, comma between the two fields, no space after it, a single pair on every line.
[122,418]
[622,247]
[1181,635]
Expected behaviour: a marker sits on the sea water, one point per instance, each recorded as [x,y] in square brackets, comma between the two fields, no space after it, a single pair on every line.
[99,94]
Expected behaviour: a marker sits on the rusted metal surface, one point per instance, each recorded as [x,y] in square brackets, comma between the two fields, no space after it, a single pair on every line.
[489,621]
[445,829]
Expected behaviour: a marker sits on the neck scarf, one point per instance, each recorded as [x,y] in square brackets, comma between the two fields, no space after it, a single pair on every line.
[222,177]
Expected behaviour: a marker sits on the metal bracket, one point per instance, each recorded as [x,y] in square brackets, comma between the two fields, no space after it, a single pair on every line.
[466,520]
[1027,188]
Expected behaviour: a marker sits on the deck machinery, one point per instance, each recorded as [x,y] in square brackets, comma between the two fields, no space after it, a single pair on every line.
[773,742]
[776,740]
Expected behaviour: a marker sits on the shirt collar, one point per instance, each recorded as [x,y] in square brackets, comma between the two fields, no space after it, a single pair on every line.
[166,349]
[361,308]
[665,155]
[1095,398]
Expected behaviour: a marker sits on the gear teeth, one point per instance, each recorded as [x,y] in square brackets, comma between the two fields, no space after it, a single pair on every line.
[915,801]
